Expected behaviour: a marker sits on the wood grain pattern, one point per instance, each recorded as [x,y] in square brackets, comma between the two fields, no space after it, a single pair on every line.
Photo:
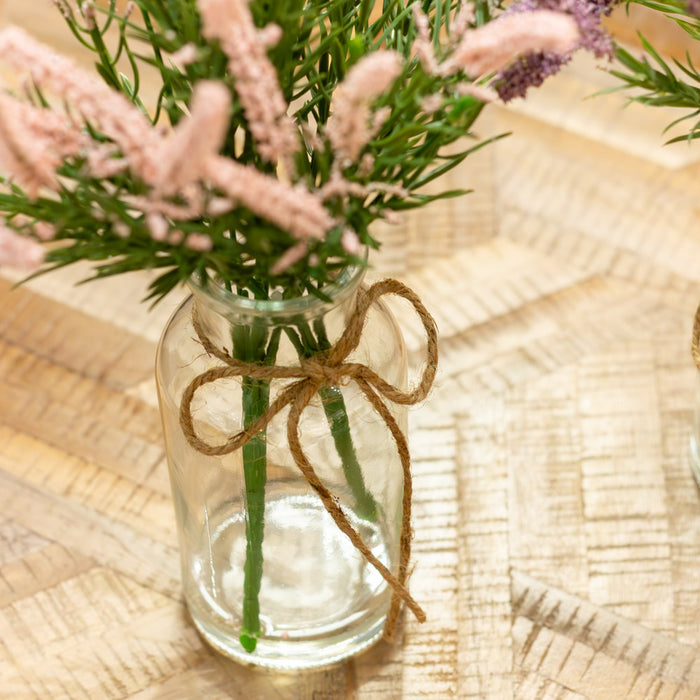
[557,526]
[591,651]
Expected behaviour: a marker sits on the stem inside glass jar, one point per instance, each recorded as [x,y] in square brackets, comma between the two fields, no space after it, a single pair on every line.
[255,343]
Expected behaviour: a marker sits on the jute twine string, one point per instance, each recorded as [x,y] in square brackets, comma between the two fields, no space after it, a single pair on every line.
[695,344]
[330,368]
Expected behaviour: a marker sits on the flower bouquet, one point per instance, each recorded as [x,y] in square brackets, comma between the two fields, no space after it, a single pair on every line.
[279,133]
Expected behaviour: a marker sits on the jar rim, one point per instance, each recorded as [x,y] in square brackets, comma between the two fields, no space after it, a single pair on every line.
[337,291]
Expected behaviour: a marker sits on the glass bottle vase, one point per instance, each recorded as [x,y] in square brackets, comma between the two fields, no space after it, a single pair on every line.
[695,432]
[695,435]
[268,577]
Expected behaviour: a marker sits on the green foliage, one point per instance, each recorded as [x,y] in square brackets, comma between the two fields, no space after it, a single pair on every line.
[662,88]
[654,82]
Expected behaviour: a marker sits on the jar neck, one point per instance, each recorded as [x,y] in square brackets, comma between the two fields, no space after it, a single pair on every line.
[212,297]
[250,327]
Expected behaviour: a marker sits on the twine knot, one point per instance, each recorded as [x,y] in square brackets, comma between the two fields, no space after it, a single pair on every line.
[322,372]
[331,369]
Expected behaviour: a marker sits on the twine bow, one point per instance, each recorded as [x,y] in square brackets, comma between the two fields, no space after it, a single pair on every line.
[331,368]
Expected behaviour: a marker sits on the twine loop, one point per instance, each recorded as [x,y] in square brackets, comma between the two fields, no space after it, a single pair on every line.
[330,368]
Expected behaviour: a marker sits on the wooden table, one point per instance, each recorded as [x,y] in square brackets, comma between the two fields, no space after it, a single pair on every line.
[557,524]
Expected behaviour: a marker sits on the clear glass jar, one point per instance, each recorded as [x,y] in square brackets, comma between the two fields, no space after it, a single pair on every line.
[695,435]
[257,545]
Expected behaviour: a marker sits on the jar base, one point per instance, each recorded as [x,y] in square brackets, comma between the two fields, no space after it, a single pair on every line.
[320,602]
[320,655]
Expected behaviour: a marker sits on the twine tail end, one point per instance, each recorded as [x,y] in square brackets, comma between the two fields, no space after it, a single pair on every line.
[392,618]
[388,635]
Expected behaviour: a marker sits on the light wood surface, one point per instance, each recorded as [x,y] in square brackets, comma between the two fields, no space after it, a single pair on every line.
[557,524]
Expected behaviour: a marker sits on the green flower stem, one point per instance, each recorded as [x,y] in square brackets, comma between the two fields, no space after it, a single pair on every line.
[250,345]
[337,417]
[334,407]
[247,343]
[256,399]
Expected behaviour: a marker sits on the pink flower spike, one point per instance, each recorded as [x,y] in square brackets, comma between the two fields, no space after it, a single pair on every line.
[122,229]
[479,92]
[181,158]
[176,237]
[254,75]
[289,257]
[294,210]
[423,45]
[19,252]
[44,230]
[199,241]
[270,35]
[108,110]
[158,226]
[431,103]
[348,129]
[492,46]
[218,206]
[34,141]
[465,15]
[184,56]
[350,242]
